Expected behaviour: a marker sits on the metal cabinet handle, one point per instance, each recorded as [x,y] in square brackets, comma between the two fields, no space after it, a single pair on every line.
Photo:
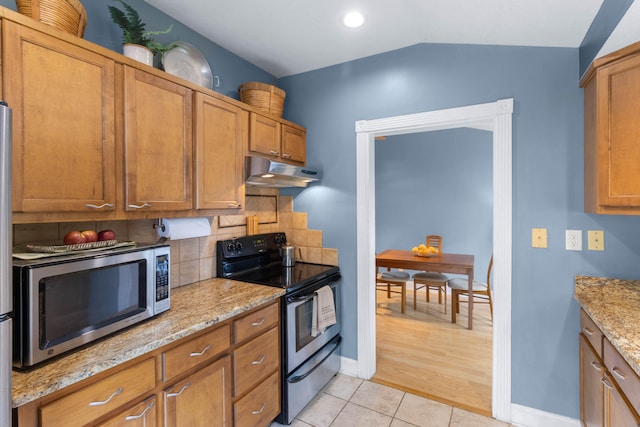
[274,153]
[596,365]
[144,205]
[234,205]
[204,350]
[104,402]
[587,331]
[136,417]
[286,156]
[259,411]
[104,205]
[259,361]
[606,383]
[258,323]
[184,387]
[618,373]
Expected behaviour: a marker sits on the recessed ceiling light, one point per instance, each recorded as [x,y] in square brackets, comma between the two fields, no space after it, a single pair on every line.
[353,19]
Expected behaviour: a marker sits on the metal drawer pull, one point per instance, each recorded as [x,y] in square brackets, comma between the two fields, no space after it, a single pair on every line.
[258,323]
[144,205]
[136,417]
[606,383]
[202,352]
[184,387]
[587,331]
[104,205]
[260,410]
[259,362]
[104,402]
[618,373]
[596,365]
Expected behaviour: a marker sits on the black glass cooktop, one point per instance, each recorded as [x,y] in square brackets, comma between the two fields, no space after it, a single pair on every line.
[291,278]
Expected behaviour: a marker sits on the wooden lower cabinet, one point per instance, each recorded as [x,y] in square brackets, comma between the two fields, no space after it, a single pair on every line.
[210,378]
[617,412]
[202,398]
[591,386]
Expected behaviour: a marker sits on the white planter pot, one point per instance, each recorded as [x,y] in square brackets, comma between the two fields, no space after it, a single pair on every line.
[139,53]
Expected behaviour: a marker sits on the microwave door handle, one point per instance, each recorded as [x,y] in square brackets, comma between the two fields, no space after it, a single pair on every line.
[299,378]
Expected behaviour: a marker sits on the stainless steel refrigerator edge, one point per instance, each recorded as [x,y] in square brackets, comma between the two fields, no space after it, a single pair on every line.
[6,241]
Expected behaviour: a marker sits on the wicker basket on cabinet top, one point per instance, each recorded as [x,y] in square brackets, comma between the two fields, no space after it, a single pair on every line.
[264,97]
[66,15]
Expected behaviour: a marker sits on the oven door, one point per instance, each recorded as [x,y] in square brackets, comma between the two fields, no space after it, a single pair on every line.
[300,343]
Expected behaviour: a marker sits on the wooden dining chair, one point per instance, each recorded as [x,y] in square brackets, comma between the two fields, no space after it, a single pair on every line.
[481,291]
[397,279]
[431,280]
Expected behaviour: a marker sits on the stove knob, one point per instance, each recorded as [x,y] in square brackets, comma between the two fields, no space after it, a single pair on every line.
[238,246]
[230,247]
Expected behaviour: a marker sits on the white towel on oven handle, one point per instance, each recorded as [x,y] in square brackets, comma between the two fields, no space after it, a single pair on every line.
[324,311]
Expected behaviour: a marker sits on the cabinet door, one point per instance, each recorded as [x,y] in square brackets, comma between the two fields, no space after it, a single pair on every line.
[204,396]
[591,387]
[618,91]
[617,412]
[62,98]
[158,143]
[294,145]
[141,415]
[264,136]
[221,138]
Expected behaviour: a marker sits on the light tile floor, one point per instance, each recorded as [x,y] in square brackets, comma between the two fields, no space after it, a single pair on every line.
[347,401]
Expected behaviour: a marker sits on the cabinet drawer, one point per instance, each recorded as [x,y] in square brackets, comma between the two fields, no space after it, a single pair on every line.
[255,323]
[261,406]
[185,356]
[141,415]
[255,360]
[91,402]
[591,332]
[623,375]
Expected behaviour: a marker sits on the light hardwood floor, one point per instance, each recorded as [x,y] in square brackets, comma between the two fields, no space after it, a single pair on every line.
[423,353]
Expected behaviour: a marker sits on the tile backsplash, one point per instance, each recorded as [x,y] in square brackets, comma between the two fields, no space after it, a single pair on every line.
[193,260]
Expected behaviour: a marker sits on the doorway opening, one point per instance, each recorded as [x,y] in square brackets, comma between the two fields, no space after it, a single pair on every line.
[495,117]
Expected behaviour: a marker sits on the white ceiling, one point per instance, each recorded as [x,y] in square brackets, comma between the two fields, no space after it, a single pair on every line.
[286,37]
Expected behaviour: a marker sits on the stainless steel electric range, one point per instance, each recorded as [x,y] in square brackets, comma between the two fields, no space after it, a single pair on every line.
[308,361]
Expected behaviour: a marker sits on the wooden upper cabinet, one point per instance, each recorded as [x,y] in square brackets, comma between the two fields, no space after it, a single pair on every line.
[62,98]
[264,135]
[221,131]
[294,144]
[612,132]
[158,143]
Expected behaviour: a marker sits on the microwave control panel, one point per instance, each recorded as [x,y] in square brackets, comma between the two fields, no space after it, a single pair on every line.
[162,283]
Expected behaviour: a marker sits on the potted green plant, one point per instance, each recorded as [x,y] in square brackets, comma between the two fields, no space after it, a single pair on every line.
[138,43]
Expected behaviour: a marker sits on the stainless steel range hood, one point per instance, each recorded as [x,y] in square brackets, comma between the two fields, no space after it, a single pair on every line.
[267,173]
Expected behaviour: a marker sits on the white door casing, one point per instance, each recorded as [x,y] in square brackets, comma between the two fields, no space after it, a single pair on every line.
[495,117]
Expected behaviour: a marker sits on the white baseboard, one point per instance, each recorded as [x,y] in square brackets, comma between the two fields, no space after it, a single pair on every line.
[525,416]
[348,366]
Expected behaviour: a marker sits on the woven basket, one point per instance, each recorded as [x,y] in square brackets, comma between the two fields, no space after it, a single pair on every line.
[264,97]
[66,15]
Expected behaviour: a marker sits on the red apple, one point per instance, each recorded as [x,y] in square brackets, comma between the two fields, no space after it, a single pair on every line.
[106,235]
[73,238]
[90,235]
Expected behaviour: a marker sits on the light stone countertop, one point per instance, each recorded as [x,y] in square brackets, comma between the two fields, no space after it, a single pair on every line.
[614,306]
[193,308]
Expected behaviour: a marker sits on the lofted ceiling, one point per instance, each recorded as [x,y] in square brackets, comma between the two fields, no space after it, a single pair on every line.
[286,37]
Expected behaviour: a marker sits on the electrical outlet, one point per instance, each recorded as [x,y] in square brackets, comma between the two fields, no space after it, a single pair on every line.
[573,240]
[538,237]
[596,240]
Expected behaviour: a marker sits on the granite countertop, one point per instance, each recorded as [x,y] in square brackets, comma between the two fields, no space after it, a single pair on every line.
[193,308]
[614,306]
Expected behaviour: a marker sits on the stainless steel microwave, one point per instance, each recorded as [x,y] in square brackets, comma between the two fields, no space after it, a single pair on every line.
[64,302]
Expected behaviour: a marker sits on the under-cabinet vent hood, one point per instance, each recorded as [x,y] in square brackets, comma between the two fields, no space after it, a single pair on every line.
[267,173]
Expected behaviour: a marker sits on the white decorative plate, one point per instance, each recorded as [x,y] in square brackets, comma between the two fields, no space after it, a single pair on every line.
[187,62]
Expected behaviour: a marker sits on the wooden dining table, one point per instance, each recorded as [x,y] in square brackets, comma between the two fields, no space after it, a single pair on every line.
[441,263]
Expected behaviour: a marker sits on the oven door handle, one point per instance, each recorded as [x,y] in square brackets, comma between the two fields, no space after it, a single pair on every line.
[299,378]
[305,298]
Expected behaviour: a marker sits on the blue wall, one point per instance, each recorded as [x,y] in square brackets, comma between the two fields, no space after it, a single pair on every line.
[547,185]
[436,183]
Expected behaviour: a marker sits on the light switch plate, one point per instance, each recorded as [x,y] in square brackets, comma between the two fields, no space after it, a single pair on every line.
[573,240]
[596,240]
[538,237]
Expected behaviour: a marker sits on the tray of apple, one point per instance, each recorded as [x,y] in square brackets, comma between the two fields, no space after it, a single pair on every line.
[76,241]
[425,251]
